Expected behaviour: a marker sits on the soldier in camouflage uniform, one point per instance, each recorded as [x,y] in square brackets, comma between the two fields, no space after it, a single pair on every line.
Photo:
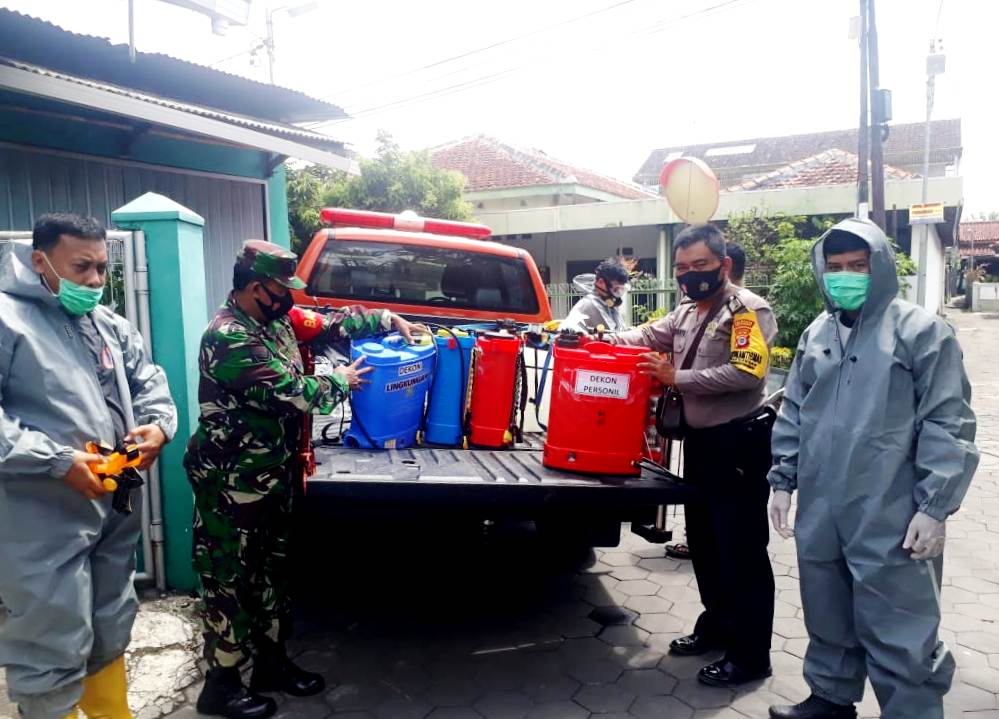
[253,394]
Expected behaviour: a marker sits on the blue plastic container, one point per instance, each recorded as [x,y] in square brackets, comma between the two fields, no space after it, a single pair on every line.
[387,413]
[447,397]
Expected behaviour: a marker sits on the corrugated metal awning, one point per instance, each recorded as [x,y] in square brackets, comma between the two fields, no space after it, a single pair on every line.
[277,138]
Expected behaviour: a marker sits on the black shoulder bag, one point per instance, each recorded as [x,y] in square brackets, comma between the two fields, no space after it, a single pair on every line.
[669,412]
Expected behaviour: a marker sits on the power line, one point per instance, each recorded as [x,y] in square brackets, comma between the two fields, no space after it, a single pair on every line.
[936,26]
[486,48]
[238,54]
[656,28]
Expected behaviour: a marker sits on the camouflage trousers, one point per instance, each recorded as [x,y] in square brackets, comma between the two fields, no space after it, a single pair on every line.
[242,524]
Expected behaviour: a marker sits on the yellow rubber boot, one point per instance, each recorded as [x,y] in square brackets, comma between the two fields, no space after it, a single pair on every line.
[105,694]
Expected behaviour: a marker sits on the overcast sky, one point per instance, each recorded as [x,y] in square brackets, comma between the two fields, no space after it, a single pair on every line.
[598,83]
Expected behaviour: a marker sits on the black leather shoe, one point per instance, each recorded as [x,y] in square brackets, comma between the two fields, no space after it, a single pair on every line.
[814,708]
[727,674]
[692,645]
[275,672]
[224,695]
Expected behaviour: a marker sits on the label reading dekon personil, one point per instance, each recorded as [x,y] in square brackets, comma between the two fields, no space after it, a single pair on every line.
[602,384]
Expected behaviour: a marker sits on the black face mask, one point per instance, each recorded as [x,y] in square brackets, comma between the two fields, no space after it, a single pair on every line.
[285,302]
[700,285]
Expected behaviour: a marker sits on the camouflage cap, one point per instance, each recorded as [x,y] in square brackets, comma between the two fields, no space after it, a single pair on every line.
[272,261]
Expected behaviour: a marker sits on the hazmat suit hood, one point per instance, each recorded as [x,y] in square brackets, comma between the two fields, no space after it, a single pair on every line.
[884,278]
[18,277]
[585,283]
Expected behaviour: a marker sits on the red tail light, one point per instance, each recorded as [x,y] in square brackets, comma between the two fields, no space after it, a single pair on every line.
[406,221]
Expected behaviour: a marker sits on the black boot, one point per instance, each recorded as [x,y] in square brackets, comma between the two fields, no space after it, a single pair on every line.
[273,671]
[814,708]
[225,695]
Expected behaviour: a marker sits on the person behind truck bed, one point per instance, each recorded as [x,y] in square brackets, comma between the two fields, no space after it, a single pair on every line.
[726,451]
[679,550]
[601,304]
[71,371]
[876,433]
[252,394]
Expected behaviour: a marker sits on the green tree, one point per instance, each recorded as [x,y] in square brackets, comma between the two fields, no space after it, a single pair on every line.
[392,181]
[794,294]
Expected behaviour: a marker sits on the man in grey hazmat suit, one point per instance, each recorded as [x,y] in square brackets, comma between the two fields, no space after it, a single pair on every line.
[601,304]
[876,434]
[71,371]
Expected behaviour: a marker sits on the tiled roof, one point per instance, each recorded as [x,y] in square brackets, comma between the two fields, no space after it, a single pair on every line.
[738,160]
[979,238]
[489,164]
[832,167]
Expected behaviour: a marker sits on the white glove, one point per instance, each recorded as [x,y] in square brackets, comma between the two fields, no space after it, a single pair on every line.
[780,508]
[925,537]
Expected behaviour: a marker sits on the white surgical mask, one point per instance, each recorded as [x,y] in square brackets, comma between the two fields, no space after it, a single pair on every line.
[620,291]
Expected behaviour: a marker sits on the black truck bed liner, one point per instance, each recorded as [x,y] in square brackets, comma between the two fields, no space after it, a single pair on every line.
[494,479]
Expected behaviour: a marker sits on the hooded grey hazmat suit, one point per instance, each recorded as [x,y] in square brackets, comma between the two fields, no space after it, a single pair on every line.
[66,562]
[590,311]
[869,434]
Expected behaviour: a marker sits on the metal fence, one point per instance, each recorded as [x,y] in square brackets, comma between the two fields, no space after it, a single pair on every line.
[648,297]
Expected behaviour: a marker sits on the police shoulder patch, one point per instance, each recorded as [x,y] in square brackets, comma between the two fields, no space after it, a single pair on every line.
[749,351]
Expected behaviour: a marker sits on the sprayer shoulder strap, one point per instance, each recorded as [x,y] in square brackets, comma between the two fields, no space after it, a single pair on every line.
[688,358]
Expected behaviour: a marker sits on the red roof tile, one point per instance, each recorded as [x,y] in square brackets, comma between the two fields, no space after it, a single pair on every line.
[832,167]
[979,238]
[489,164]
[904,148]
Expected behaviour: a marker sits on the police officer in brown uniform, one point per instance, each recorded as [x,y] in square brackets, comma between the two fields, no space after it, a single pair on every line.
[726,451]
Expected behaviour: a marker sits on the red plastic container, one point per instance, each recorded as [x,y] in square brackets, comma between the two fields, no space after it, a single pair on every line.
[492,389]
[599,409]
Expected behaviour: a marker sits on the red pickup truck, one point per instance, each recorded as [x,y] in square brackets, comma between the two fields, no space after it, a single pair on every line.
[448,273]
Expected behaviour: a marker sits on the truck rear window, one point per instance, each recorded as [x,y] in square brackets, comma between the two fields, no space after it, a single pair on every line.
[376,272]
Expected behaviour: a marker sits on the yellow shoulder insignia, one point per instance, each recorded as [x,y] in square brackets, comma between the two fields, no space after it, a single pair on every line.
[749,351]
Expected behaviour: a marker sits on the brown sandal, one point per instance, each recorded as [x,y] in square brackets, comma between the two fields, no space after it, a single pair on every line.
[678,551]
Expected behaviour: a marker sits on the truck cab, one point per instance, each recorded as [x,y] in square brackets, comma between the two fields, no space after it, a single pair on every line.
[436,270]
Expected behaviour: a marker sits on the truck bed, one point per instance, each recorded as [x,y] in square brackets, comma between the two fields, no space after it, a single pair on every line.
[497,480]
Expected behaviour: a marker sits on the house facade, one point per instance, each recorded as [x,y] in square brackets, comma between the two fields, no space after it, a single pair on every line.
[83,129]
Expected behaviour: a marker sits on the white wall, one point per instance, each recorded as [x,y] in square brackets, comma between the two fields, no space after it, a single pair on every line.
[486,205]
[555,249]
[985,297]
[935,268]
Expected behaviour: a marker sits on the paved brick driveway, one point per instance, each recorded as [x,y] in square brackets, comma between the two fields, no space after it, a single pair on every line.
[489,626]
[493,630]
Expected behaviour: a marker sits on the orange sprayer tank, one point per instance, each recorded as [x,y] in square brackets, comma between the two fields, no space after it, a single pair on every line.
[493,384]
[599,408]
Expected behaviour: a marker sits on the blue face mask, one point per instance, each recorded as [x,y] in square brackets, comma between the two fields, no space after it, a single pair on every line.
[76,299]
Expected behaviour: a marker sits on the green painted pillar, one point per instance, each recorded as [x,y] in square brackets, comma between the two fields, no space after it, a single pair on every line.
[178,308]
[277,207]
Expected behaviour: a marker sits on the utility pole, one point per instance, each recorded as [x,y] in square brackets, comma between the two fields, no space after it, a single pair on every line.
[934,67]
[293,11]
[879,110]
[131,31]
[269,42]
[862,135]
